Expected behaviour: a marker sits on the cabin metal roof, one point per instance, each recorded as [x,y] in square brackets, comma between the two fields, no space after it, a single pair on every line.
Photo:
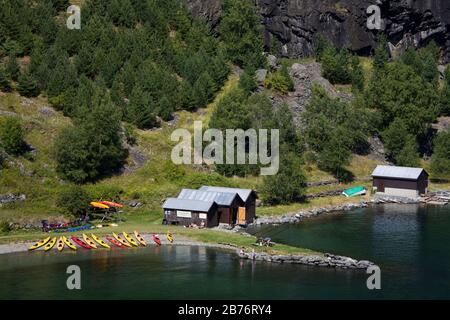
[189,205]
[409,173]
[221,198]
[243,193]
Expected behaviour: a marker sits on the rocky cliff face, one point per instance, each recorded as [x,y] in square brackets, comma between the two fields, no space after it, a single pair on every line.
[295,23]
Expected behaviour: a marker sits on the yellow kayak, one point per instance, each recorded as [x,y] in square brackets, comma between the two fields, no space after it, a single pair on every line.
[50,244]
[100,241]
[69,243]
[39,244]
[130,239]
[121,240]
[60,244]
[89,241]
[170,237]
[140,238]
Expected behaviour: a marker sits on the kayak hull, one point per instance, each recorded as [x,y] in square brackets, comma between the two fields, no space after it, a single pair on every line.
[39,244]
[100,241]
[140,238]
[80,243]
[130,239]
[50,244]
[115,242]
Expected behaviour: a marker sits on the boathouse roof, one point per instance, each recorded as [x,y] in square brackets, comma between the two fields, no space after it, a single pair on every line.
[187,204]
[221,198]
[409,173]
[243,193]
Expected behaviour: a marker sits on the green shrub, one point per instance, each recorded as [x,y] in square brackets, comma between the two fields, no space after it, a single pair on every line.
[74,200]
[5,226]
[280,81]
[12,136]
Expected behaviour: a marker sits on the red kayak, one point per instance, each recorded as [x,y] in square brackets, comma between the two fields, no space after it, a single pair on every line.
[115,242]
[80,242]
[156,239]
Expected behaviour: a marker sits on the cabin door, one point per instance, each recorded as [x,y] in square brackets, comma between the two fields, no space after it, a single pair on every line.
[241,216]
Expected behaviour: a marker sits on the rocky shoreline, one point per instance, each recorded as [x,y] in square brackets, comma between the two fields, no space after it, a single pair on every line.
[304,214]
[327,260]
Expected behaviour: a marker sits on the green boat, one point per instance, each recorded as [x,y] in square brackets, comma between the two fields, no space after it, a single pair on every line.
[355,191]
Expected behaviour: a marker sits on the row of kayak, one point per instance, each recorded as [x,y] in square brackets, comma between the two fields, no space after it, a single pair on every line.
[123,240]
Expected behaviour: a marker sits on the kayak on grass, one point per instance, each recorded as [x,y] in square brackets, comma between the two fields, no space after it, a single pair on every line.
[170,237]
[69,243]
[89,241]
[80,243]
[60,244]
[115,242]
[100,241]
[130,239]
[140,238]
[156,239]
[121,240]
[39,244]
[50,244]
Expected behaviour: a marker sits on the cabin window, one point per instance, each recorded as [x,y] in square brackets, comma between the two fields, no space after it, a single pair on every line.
[202,216]
[184,214]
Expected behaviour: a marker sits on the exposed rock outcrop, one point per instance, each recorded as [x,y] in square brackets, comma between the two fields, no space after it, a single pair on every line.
[295,23]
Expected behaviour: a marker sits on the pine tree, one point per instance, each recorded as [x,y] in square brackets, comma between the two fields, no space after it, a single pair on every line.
[445,94]
[381,56]
[13,68]
[440,161]
[288,185]
[240,30]
[357,75]
[408,156]
[28,86]
[5,85]
[140,109]
[203,90]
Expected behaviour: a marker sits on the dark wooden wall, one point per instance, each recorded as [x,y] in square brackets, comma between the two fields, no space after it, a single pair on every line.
[211,221]
[421,184]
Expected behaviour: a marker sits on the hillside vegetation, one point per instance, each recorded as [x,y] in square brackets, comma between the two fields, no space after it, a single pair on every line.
[89,113]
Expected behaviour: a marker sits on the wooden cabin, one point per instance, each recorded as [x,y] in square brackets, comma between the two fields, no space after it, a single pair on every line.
[228,203]
[186,212]
[245,214]
[400,181]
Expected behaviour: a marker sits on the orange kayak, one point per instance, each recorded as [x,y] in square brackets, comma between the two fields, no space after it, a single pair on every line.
[112,204]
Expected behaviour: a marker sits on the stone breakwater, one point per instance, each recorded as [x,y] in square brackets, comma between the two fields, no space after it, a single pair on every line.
[304,214]
[298,216]
[327,260]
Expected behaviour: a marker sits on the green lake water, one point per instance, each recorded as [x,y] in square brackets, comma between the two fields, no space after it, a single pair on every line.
[410,243]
